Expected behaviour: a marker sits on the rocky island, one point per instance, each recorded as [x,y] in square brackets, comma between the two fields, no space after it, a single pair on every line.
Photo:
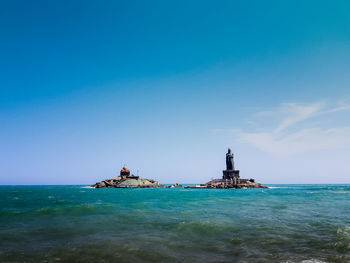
[230,178]
[125,180]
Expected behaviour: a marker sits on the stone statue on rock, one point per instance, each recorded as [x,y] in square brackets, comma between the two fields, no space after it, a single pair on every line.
[229,160]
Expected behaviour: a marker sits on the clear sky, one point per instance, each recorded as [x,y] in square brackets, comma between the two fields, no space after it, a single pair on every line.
[166,86]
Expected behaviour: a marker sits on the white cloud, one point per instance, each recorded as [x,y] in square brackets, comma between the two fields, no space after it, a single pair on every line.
[286,138]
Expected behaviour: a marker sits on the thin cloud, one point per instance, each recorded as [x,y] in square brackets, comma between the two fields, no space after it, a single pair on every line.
[301,141]
[297,113]
[287,138]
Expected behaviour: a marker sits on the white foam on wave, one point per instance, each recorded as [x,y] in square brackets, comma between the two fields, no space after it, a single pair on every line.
[307,261]
[340,192]
[344,232]
[283,187]
[86,187]
[313,261]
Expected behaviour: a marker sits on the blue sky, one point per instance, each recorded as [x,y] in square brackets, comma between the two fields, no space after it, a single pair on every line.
[166,86]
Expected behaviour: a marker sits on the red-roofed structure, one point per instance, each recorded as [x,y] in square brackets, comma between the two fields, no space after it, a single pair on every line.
[124,171]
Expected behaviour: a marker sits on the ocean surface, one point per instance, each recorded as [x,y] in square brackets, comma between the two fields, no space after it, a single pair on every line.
[286,223]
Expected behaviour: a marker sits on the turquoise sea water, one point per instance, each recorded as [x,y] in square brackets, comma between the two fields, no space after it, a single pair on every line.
[287,223]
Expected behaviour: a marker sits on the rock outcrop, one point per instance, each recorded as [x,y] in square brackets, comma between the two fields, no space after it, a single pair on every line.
[125,180]
[230,178]
[228,184]
[175,186]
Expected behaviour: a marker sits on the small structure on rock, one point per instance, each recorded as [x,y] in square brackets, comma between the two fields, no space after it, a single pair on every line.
[125,180]
[124,172]
[230,178]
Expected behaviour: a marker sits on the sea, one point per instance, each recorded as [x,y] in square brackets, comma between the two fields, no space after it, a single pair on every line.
[285,223]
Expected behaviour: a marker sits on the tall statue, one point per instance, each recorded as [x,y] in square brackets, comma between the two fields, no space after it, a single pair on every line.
[229,160]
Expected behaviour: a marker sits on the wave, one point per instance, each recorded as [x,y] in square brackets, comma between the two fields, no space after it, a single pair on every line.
[313,261]
[84,208]
[343,239]
[204,228]
[281,187]
[307,261]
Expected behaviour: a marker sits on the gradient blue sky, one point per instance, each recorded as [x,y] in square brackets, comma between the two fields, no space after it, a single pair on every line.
[166,86]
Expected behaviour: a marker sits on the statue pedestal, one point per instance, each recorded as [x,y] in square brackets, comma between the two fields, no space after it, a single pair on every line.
[230,174]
